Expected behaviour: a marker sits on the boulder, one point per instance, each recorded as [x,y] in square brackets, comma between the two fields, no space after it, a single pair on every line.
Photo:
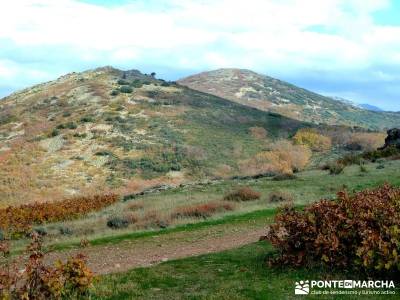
[393,138]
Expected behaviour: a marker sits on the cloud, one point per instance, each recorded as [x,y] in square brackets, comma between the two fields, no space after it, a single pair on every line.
[282,38]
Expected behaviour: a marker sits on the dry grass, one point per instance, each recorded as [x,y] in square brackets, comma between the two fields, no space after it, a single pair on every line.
[203,210]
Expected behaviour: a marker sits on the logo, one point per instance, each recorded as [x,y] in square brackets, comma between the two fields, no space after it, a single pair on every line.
[302,288]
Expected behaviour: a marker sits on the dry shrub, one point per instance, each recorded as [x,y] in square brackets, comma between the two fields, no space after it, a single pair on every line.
[312,139]
[243,194]
[258,132]
[20,219]
[366,141]
[203,210]
[154,218]
[352,231]
[131,218]
[280,196]
[282,158]
[222,171]
[70,280]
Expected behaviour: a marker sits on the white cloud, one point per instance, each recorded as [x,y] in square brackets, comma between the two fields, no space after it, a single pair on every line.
[273,35]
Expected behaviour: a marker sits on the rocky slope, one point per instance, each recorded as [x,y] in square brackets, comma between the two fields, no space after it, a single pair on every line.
[270,94]
[110,129]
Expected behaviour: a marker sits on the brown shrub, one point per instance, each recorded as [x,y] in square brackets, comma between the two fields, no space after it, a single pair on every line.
[202,210]
[258,132]
[20,219]
[352,231]
[154,218]
[280,196]
[282,158]
[312,139]
[243,194]
[366,141]
[70,280]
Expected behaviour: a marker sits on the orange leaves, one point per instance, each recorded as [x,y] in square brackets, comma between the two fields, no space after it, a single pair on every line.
[39,281]
[360,230]
[20,219]
[312,139]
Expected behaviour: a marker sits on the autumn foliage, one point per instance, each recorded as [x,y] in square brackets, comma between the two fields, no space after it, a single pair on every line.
[282,158]
[203,210]
[19,219]
[68,280]
[312,139]
[245,193]
[366,141]
[362,230]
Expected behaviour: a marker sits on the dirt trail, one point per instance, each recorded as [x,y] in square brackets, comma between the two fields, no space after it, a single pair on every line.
[143,252]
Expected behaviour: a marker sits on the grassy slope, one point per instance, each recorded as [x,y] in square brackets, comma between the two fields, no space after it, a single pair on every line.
[234,274]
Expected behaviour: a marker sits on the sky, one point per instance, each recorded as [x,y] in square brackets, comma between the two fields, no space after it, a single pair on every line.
[343,48]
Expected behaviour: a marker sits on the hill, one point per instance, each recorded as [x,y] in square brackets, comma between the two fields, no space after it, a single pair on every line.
[270,94]
[108,129]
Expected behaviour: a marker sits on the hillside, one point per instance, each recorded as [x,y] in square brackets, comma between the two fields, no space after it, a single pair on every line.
[108,129]
[270,94]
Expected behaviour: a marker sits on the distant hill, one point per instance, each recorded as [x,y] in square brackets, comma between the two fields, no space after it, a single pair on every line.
[106,129]
[370,107]
[270,94]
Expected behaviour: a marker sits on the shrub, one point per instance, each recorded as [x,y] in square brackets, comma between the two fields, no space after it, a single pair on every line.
[312,139]
[122,82]
[37,280]
[279,196]
[21,218]
[136,83]
[114,93]
[117,223]
[125,89]
[55,132]
[1,235]
[243,194]
[202,210]
[359,231]
[258,132]
[336,168]
[366,141]
[87,119]
[65,230]
[282,158]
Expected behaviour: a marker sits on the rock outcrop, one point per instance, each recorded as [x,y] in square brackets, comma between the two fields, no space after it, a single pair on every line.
[393,138]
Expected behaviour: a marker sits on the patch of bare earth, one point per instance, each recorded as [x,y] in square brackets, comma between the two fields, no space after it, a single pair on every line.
[149,251]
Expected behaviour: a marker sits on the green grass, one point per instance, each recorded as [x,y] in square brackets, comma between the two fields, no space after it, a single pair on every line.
[114,239]
[235,274]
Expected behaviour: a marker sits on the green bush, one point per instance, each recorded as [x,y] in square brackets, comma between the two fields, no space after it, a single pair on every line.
[114,93]
[125,89]
[122,82]
[336,168]
[137,83]
[87,119]
[360,231]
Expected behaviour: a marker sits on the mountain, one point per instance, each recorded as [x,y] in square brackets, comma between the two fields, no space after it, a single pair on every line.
[370,107]
[270,94]
[107,129]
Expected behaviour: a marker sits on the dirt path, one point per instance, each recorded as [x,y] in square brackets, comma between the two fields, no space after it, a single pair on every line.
[153,250]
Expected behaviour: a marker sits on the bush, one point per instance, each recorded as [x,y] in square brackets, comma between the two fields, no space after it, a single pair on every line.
[258,132]
[125,89]
[202,210]
[312,139]
[87,119]
[37,280]
[2,235]
[117,223]
[243,194]
[122,82]
[359,231]
[365,141]
[21,218]
[65,230]
[114,93]
[336,168]
[280,196]
[282,158]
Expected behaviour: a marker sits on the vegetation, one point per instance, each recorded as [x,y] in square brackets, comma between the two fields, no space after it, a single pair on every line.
[19,220]
[36,280]
[353,231]
[243,194]
[312,139]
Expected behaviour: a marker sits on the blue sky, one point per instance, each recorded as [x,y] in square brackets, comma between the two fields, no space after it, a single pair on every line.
[345,48]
